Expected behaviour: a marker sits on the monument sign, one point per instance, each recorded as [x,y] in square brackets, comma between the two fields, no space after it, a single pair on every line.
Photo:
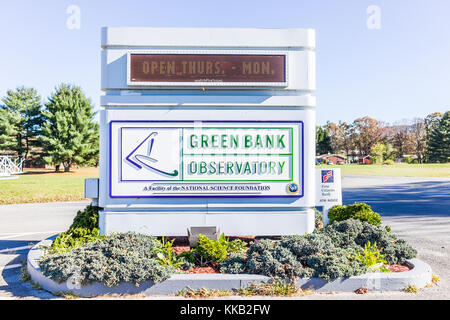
[207,127]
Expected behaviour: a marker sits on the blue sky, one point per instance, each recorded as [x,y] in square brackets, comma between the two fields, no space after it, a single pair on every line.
[399,71]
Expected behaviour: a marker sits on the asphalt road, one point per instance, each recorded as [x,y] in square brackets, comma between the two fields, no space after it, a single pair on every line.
[417,209]
[21,226]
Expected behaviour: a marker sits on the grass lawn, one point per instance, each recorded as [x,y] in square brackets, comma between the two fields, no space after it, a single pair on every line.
[441,170]
[41,185]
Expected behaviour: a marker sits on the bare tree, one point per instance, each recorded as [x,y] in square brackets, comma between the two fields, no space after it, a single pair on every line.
[335,137]
[348,137]
[401,138]
[341,137]
[368,132]
[419,134]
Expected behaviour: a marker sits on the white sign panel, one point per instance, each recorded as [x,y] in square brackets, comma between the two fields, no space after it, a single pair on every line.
[206,159]
[328,187]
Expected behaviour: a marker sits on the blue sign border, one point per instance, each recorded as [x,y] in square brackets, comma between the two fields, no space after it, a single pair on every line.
[208,121]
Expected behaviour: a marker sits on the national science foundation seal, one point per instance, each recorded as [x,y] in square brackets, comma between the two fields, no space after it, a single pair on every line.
[292,188]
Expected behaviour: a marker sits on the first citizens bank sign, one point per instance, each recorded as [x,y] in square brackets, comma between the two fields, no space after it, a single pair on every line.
[189,158]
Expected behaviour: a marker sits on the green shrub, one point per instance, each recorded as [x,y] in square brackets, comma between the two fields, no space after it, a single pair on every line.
[297,256]
[210,250]
[88,218]
[270,258]
[165,254]
[74,238]
[122,257]
[360,211]
[408,159]
[318,219]
[234,246]
[234,264]
[188,259]
[354,232]
[335,263]
[84,229]
[389,162]
[328,254]
[372,258]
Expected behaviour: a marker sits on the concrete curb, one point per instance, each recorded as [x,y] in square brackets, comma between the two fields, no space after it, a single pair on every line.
[419,276]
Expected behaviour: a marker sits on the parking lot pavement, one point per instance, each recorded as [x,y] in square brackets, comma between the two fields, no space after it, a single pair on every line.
[21,226]
[417,209]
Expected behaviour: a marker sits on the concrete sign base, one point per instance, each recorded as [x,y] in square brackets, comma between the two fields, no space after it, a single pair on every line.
[236,223]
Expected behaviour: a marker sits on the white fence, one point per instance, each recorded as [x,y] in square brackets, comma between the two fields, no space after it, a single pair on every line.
[10,165]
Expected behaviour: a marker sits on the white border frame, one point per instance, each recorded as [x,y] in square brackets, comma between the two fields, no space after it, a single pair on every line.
[144,84]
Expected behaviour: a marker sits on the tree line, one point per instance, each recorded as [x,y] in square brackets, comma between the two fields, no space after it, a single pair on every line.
[422,140]
[61,131]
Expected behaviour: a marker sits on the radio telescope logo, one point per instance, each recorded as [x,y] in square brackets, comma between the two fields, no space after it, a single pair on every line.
[145,160]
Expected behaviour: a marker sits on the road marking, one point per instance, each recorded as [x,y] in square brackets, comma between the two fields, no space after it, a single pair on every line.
[12,266]
[16,248]
[16,235]
[11,235]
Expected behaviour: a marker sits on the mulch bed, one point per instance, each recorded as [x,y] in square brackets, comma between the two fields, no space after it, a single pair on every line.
[398,268]
[208,269]
[180,249]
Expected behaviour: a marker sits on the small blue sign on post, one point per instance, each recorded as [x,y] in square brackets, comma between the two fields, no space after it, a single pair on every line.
[328,189]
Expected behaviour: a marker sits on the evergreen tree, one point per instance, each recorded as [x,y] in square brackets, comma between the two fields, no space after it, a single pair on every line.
[431,122]
[93,157]
[20,121]
[439,142]
[69,133]
[322,140]
[8,122]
